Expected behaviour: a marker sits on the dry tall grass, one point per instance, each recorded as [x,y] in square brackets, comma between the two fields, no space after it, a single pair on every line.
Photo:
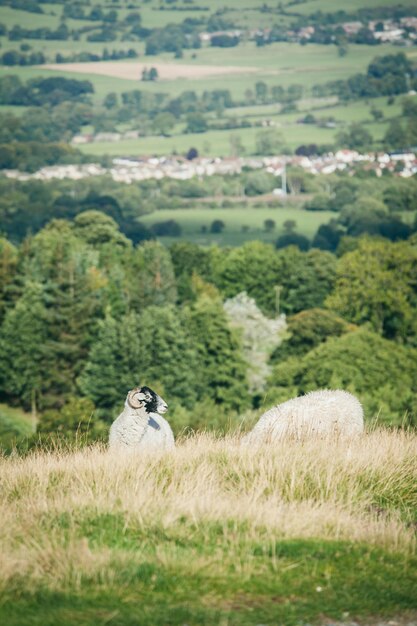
[360,491]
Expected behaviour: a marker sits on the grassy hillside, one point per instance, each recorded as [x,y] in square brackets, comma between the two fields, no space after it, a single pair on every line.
[281,64]
[211,534]
[278,64]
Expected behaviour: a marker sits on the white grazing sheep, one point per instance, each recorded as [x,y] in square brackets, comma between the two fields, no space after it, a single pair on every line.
[319,413]
[140,426]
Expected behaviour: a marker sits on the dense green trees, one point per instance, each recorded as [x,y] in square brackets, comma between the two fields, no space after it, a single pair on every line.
[386,75]
[8,267]
[383,374]
[377,283]
[164,123]
[395,137]
[112,367]
[288,280]
[306,278]
[356,137]
[24,371]
[401,195]
[293,239]
[42,125]
[369,207]
[186,356]
[220,356]
[153,279]
[196,123]
[40,91]
[32,155]
[96,228]
[308,328]
[188,260]
[257,183]
[153,348]
[254,268]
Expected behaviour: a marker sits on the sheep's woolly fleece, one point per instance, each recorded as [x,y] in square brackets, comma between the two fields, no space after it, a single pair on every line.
[321,413]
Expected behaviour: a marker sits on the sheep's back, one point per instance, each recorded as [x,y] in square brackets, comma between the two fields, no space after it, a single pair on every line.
[324,412]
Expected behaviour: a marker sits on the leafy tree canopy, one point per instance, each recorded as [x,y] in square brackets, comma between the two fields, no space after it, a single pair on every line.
[383,375]
[377,283]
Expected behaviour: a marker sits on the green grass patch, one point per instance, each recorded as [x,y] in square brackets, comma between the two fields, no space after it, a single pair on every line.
[240,582]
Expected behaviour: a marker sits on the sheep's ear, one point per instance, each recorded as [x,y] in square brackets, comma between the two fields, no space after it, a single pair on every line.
[135,398]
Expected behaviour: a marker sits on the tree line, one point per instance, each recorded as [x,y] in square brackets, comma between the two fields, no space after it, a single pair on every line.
[386,75]
[85,315]
[363,204]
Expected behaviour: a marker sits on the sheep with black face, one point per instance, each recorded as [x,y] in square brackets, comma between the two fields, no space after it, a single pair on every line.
[141,426]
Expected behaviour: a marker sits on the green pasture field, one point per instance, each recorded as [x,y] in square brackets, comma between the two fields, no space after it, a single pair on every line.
[219,142]
[159,19]
[285,57]
[251,17]
[358,111]
[26,19]
[211,143]
[191,221]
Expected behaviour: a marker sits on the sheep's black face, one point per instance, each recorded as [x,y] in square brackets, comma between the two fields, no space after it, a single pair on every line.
[152,402]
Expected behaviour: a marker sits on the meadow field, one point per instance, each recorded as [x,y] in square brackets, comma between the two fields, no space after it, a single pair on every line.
[214,143]
[220,143]
[251,218]
[312,532]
